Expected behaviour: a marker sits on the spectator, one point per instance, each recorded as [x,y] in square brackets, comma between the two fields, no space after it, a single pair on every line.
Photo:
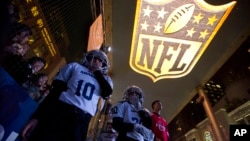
[20,33]
[17,49]
[16,42]
[18,38]
[160,126]
[40,80]
[44,93]
[128,114]
[36,85]
[64,115]
[22,69]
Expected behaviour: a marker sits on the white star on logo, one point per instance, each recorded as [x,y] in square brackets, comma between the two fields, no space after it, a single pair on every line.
[147,12]
[161,13]
[157,27]
[144,26]
[190,32]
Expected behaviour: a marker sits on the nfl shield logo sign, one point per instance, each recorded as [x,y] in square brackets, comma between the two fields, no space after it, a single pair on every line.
[170,36]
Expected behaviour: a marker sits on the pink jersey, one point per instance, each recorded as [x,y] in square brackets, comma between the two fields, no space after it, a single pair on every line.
[160,127]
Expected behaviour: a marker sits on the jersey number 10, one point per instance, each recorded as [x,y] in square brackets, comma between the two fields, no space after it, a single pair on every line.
[88,90]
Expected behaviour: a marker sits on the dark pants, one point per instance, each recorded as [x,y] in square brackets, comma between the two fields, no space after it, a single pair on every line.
[63,123]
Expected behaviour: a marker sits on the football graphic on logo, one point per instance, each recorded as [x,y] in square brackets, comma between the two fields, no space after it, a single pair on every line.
[179,18]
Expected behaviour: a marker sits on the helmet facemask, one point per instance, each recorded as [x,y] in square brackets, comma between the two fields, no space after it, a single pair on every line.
[88,60]
[134,95]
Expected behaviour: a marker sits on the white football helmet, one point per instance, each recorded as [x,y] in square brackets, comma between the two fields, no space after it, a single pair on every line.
[89,56]
[134,89]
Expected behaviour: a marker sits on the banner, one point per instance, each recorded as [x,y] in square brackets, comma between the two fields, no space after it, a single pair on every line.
[96,34]
[16,107]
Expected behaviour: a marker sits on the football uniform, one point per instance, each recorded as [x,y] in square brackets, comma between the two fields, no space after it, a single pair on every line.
[66,112]
[83,91]
[128,113]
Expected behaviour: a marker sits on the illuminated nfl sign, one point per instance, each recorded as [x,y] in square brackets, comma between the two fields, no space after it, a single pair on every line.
[170,36]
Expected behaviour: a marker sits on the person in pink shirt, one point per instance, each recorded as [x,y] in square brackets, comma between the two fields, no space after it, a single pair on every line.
[160,125]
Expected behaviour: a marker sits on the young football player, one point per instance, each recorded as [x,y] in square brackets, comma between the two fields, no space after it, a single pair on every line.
[65,113]
[130,119]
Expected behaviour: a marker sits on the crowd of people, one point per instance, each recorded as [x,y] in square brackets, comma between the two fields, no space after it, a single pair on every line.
[73,101]
[14,46]
[67,105]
